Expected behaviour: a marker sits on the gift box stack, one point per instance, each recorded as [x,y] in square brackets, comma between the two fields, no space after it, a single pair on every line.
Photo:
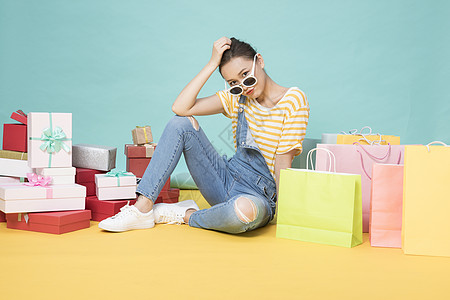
[92,161]
[13,156]
[139,155]
[399,195]
[50,188]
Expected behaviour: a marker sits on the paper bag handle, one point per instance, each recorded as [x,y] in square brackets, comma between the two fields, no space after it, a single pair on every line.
[375,158]
[330,154]
[436,142]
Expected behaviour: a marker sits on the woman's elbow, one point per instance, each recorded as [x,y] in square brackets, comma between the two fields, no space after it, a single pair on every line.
[178,111]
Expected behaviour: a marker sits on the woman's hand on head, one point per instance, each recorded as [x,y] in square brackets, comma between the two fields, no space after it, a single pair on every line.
[219,47]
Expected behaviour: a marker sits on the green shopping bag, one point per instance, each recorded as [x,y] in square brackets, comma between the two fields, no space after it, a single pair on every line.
[320,207]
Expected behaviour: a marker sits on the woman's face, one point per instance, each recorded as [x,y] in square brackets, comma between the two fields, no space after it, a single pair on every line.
[238,68]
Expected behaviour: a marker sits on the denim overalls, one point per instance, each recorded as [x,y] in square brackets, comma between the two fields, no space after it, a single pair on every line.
[220,180]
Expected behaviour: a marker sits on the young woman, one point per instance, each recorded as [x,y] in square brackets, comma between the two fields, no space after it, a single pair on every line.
[269,123]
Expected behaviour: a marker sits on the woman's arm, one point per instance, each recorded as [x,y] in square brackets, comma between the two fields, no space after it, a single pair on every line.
[283,161]
[187,103]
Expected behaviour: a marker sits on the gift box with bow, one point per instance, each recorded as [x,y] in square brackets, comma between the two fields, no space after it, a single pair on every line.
[37,195]
[115,185]
[49,140]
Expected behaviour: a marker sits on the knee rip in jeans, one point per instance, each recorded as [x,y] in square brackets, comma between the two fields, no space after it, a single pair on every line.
[245,209]
[194,123]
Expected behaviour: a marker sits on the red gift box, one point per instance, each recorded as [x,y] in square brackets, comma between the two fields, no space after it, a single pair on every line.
[166,200]
[50,222]
[2,217]
[86,175]
[170,193]
[90,188]
[105,209]
[20,116]
[15,137]
[138,158]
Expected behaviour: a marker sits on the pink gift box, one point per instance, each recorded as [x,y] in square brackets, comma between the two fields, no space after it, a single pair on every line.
[42,129]
[18,198]
[115,188]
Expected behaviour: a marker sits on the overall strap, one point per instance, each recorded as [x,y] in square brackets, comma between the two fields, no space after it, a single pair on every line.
[242,99]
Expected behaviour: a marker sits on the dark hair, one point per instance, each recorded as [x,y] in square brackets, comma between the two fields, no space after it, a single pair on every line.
[237,49]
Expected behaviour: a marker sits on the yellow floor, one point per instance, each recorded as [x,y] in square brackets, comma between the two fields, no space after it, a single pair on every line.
[179,262]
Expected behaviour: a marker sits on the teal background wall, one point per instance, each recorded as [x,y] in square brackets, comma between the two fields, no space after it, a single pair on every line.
[116,64]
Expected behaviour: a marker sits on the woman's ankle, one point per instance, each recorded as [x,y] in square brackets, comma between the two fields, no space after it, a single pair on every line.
[144,204]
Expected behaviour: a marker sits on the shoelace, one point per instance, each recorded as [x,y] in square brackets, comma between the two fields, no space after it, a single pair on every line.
[170,217]
[124,211]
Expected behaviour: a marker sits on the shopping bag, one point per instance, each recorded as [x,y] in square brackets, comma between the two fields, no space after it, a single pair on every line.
[385,223]
[320,207]
[365,137]
[426,200]
[358,159]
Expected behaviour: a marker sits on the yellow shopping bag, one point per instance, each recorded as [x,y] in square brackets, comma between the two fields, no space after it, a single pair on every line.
[366,138]
[426,200]
[320,207]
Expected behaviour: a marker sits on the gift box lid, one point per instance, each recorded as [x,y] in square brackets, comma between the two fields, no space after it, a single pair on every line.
[58,218]
[104,180]
[56,171]
[19,116]
[110,207]
[83,175]
[135,151]
[24,192]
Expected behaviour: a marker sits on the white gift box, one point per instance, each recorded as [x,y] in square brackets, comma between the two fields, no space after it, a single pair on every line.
[18,198]
[58,175]
[53,125]
[14,167]
[116,193]
[7,180]
[115,188]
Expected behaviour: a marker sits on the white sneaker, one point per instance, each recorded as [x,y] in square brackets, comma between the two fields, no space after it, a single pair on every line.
[173,213]
[128,218]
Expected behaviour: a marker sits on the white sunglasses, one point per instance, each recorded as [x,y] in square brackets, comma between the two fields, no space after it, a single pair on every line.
[249,81]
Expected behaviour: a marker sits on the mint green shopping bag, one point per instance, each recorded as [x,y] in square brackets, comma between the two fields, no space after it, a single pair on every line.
[320,207]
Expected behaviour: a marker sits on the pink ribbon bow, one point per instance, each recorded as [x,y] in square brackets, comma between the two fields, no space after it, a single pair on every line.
[37,180]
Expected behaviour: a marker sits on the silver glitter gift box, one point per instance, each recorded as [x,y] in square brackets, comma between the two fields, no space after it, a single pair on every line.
[95,157]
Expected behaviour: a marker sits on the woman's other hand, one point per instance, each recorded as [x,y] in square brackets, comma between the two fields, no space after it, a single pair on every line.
[219,47]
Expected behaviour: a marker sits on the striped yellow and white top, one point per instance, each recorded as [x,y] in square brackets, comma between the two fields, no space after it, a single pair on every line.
[276,130]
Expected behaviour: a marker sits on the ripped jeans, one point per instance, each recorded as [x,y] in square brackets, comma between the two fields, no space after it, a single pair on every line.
[227,184]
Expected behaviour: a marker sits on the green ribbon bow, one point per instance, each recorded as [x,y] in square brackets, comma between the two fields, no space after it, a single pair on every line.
[118,174]
[53,141]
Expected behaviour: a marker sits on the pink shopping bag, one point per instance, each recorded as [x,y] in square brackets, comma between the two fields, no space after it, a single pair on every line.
[358,159]
[386,205]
